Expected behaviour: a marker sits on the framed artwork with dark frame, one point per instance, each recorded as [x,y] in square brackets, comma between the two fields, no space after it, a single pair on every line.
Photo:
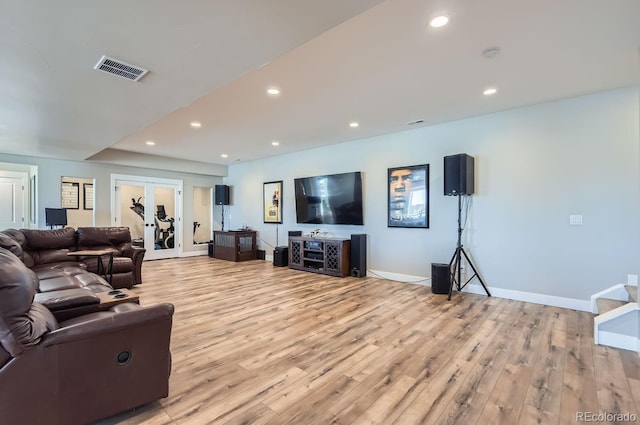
[87,189]
[70,195]
[272,202]
[408,196]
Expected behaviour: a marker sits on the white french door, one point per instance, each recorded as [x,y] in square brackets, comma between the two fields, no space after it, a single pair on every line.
[12,199]
[151,209]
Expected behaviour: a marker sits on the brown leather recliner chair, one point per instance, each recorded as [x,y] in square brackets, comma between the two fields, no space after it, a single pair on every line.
[127,258]
[80,370]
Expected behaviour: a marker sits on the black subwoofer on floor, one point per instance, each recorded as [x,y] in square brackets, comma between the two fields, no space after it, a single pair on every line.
[281,256]
[440,278]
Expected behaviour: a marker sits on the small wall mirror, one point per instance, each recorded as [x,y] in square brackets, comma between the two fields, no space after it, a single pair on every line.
[202,210]
[78,200]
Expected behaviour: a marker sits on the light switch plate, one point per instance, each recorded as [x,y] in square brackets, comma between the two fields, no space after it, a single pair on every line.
[575,220]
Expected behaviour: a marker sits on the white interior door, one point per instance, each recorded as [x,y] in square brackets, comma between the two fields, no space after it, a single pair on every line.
[12,200]
[151,212]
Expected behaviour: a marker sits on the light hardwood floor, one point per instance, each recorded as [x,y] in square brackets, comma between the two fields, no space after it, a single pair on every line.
[257,344]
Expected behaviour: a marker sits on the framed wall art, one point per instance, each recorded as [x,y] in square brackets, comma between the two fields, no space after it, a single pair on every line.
[70,195]
[87,189]
[408,196]
[272,202]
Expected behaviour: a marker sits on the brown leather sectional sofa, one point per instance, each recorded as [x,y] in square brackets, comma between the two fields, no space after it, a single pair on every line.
[48,249]
[70,367]
[68,284]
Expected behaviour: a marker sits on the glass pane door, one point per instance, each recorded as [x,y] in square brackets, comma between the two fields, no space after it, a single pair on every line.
[131,211]
[149,211]
[164,205]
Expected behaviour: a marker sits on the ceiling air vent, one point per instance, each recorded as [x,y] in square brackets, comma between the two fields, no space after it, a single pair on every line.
[120,69]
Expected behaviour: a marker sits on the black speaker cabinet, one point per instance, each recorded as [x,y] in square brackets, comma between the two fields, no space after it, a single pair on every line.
[359,255]
[295,233]
[458,175]
[222,194]
[281,256]
[440,278]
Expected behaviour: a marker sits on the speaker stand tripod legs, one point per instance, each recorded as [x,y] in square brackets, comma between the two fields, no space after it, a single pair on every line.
[456,272]
[456,261]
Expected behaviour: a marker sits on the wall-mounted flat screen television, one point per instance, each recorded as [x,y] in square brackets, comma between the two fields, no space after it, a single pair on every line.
[331,199]
[55,216]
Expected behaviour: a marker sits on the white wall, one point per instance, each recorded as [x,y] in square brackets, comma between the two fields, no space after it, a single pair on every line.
[535,166]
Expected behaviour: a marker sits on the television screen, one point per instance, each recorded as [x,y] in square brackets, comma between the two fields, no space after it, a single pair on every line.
[332,199]
[55,216]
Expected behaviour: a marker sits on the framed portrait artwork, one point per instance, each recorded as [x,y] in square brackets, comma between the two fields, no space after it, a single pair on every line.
[272,202]
[408,195]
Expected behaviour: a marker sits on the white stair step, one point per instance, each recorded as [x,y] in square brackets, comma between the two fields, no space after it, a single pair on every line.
[605,305]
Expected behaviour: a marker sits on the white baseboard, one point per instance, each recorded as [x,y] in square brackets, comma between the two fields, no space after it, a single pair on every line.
[193,253]
[404,278]
[510,294]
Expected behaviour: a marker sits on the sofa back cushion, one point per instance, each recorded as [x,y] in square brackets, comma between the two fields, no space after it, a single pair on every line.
[50,246]
[103,238]
[50,239]
[22,322]
[10,244]
[14,241]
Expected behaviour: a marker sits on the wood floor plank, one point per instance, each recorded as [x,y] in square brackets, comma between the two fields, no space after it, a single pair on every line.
[257,344]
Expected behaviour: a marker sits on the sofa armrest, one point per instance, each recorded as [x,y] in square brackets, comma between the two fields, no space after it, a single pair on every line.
[136,254]
[93,325]
[66,298]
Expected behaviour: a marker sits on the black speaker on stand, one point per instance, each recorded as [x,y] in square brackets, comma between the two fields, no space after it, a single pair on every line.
[222,198]
[222,194]
[359,255]
[458,174]
[459,181]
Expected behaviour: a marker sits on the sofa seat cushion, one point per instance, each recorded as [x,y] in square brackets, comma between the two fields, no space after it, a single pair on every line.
[69,267]
[120,264]
[57,283]
[66,298]
[69,278]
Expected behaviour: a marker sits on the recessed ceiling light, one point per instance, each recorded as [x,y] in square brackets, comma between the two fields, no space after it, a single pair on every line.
[439,21]
[275,143]
[489,91]
[150,143]
[224,155]
[273,91]
[354,124]
[196,124]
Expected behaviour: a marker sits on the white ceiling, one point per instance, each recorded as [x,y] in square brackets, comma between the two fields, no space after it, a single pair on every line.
[335,61]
